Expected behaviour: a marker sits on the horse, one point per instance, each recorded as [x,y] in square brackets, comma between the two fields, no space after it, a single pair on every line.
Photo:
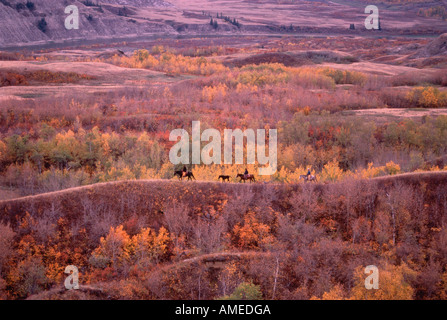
[224,178]
[189,175]
[244,177]
[308,179]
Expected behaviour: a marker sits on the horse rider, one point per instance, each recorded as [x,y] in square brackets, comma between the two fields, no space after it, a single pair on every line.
[185,171]
[308,174]
[246,173]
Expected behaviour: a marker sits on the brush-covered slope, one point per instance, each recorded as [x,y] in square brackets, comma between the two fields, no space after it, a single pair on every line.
[19,23]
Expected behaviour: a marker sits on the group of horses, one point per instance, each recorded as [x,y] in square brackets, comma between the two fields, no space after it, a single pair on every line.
[190,176]
[242,177]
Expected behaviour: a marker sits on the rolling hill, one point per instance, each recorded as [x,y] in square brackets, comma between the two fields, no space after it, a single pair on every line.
[90,211]
[149,196]
[42,21]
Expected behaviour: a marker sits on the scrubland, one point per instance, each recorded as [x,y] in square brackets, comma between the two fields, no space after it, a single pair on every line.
[89,171]
[202,240]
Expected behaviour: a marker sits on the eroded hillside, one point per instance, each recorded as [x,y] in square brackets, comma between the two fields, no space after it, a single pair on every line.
[43,22]
[167,236]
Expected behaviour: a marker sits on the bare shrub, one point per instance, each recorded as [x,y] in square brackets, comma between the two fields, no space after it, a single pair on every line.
[178,222]
[304,202]
[6,238]
[237,207]
[209,232]
[97,218]
[398,202]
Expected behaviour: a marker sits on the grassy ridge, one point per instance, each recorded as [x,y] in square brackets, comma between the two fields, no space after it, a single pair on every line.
[143,193]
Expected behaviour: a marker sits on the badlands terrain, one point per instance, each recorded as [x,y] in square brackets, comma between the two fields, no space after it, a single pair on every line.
[86,179]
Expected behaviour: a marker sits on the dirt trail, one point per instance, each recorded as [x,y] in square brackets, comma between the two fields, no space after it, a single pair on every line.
[408,177]
[377,68]
[395,112]
[102,184]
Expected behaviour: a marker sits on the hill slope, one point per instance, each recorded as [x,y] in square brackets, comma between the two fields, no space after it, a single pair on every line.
[308,231]
[150,195]
[21,25]
[115,19]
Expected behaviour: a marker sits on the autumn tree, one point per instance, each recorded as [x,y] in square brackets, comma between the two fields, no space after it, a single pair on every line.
[245,291]
[393,284]
[114,250]
[252,234]
[150,247]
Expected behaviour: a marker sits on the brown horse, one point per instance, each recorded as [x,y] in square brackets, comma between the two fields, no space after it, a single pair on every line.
[188,175]
[244,177]
[224,178]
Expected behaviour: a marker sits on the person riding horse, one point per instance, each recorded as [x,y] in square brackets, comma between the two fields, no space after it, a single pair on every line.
[184,174]
[246,173]
[308,177]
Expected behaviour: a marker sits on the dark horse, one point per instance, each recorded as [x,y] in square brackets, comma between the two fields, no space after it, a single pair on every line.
[227,178]
[244,177]
[189,175]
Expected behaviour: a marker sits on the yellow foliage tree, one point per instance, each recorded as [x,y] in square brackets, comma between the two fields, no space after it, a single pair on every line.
[151,247]
[115,248]
[253,234]
[392,284]
[332,172]
[336,293]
